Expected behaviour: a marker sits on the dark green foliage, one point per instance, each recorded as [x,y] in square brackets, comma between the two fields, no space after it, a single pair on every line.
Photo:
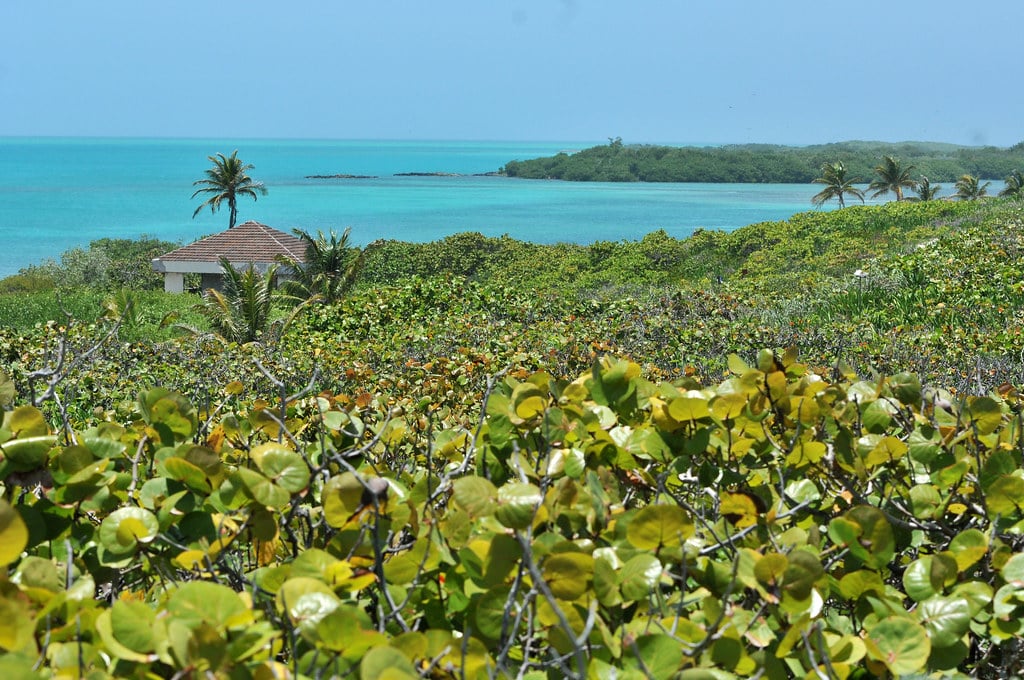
[328,271]
[106,265]
[762,162]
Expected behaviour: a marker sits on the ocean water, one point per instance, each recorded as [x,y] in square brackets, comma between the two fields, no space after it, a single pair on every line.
[60,193]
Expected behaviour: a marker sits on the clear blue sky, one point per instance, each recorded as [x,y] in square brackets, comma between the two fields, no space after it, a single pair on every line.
[718,71]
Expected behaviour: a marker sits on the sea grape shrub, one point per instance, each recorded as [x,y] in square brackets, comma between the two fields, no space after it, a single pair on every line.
[779,522]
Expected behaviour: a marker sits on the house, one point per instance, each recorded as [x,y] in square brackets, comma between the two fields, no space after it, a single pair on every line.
[249,244]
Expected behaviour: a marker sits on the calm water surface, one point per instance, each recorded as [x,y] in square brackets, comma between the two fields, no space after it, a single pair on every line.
[60,193]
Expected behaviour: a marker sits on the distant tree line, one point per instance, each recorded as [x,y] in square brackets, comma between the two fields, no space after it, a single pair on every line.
[618,162]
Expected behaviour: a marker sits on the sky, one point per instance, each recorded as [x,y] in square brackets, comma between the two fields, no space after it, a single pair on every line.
[672,71]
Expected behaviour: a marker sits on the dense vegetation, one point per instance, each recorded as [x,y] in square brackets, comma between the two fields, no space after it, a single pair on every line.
[618,162]
[793,450]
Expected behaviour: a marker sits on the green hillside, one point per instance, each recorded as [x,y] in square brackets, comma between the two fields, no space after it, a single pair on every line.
[793,450]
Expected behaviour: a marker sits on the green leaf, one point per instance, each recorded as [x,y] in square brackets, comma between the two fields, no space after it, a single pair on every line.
[386,663]
[907,388]
[104,626]
[1004,496]
[123,530]
[657,526]
[985,414]
[341,499]
[689,408]
[921,581]
[925,501]
[517,504]
[899,643]
[802,572]
[309,609]
[969,546]
[28,453]
[1013,571]
[132,624]
[528,401]
[282,466]
[298,587]
[639,577]
[502,557]
[660,654]
[13,534]
[261,489]
[606,581]
[490,611]
[771,568]
[475,495]
[190,475]
[875,544]
[37,572]
[945,619]
[569,575]
[26,421]
[201,602]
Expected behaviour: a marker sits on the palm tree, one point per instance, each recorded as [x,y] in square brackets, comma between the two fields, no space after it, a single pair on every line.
[227,180]
[1014,185]
[892,176]
[833,175]
[329,270]
[241,311]
[925,190]
[969,189]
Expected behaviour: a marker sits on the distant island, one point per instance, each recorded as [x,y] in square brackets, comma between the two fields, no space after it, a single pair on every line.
[765,163]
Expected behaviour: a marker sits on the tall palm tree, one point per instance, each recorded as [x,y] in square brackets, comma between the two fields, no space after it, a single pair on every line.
[240,312]
[837,185]
[892,176]
[968,188]
[1014,185]
[226,181]
[925,190]
[328,271]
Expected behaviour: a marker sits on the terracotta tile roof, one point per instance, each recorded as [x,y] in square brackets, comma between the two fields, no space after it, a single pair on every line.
[247,242]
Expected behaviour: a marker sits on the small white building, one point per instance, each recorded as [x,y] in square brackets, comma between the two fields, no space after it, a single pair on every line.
[250,244]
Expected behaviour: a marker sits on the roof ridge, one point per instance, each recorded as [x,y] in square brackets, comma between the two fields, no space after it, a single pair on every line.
[278,241]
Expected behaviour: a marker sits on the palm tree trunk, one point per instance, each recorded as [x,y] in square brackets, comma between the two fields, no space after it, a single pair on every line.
[234,212]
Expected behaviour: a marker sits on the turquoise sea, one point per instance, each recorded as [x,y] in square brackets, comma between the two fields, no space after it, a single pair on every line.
[59,193]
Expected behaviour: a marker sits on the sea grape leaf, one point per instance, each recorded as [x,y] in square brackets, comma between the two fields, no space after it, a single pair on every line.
[123,530]
[517,504]
[900,643]
[475,495]
[386,663]
[490,610]
[921,581]
[26,421]
[969,546]
[655,526]
[569,575]
[285,468]
[945,618]
[802,572]
[132,624]
[261,489]
[1004,496]
[27,453]
[196,603]
[639,577]
[985,414]
[13,534]
[341,498]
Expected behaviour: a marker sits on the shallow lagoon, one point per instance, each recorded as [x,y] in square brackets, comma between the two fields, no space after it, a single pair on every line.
[59,193]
